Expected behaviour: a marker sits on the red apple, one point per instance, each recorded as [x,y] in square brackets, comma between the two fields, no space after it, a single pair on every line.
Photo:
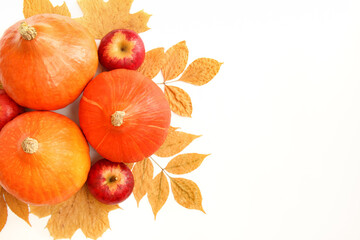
[8,109]
[110,182]
[121,48]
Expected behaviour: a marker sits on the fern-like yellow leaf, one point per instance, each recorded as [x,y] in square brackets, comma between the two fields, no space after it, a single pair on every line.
[154,60]
[186,193]
[185,163]
[176,59]
[143,173]
[175,142]
[201,71]
[179,101]
[158,193]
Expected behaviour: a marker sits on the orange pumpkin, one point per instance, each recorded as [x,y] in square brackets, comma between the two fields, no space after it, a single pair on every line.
[124,115]
[44,157]
[46,61]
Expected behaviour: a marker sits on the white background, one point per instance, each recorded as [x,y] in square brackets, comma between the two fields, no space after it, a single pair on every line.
[281,121]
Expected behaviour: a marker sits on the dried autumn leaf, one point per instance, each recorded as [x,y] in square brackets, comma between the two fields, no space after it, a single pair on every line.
[33,7]
[129,165]
[179,101]
[186,193]
[18,207]
[143,174]
[175,142]
[158,192]
[173,128]
[101,17]
[80,211]
[154,60]
[3,210]
[201,71]
[176,59]
[185,163]
[41,211]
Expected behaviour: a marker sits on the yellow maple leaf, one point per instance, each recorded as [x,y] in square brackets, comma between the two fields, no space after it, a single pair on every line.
[185,163]
[101,17]
[179,100]
[18,207]
[41,211]
[201,71]
[143,173]
[80,211]
[186,193]
[176,59]
[154,60]
[158,192]
[33,7]
[175,142]
[3,210]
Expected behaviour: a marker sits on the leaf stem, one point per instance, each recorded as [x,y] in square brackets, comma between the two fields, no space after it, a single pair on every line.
[171,81]
[162,169]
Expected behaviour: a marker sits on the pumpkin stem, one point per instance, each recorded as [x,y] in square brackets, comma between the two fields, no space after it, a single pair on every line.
[27,32]
[30,145]
[117,118]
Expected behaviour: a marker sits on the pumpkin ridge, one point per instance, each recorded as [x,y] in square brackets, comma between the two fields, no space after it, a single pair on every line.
[144,125]
[137,146]
[149,140]
[92,102]
[102,140]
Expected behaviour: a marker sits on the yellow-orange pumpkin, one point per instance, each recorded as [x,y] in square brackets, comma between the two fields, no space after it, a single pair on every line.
[44,157]
[46,61]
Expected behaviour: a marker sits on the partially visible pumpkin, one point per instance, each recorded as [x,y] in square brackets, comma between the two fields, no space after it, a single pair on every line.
[44,157]
[124,115]
[46,61]
[8,108]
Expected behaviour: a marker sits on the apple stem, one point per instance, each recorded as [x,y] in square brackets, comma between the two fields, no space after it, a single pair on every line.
[27,32]
[117,118]
[113,179]
[30,145]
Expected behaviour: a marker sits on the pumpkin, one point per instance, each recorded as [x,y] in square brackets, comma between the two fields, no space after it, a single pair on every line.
[124,115]
[44,157]
[46,61]
[8,108]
